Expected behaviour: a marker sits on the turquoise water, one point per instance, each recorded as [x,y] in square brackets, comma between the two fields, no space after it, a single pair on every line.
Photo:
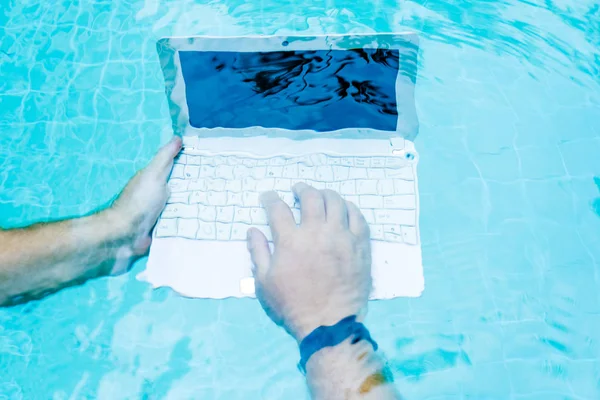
[508,97]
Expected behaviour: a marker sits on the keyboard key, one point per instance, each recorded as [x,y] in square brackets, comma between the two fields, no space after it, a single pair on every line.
[404,187]
[166,227]
[369,216]
[318,159]
[353,199]
[191,171]
[180,210]
[348,187]
[274,172]
[187,228]
[392,233]
[394,162]
[303,160]
[263,162]
[319,185]
[223,231]
[197,184]
[385,187]
[241,171]
[405,173]
[178,185]
[282,184]
[324,174]
[362,162]
[181,197]
[220,160]
[364,186]
[188,211]
[258,216]
[193,160]
[377,162]
[265,185]
[251,199]
[396,217]
[234,199]
[266,231]
[216,185]
[233,186]
[249,184]
[198,197]
[376,232]
[217,198]
[225,214]
[207,231]
[358,173]
[177,171]
[208,160]
[305,172]
[406,202]
[335,186]
[340,173]
[347,161]
[376,173]
[207,171]
[180,159]
[409,233]
[290,171]
[233,161]
[277,161]
[239,231]
[242,214]
[249,162]
[207,213]
[367,201]
[224,172]
[171,211]
[333,160]
[259,172]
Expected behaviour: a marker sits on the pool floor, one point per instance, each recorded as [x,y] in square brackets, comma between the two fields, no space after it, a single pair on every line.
[508,98]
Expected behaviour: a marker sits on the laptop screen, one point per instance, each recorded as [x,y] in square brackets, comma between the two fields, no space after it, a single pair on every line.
[319,90]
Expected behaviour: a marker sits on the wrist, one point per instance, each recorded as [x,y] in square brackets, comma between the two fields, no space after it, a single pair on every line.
[331,336]
[305,327]
[115,226]
[361,352]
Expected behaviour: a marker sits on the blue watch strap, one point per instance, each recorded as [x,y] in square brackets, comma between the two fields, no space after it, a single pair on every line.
[329,336]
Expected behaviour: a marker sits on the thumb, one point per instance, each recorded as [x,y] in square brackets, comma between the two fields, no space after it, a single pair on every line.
[163,160]
[259,252]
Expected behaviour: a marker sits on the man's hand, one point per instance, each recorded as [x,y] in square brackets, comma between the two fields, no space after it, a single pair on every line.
[318,274]
[138,207]
[320,271]
[44,258]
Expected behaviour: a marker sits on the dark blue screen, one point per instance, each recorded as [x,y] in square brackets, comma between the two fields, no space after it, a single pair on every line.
[322,90]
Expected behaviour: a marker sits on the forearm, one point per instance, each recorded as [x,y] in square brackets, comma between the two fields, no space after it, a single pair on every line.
[349,371]
[46,257]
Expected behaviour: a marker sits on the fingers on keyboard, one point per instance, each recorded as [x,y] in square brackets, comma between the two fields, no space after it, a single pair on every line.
[218,197]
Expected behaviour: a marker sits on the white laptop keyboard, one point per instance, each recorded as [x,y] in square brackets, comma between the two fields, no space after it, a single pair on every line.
[217,197]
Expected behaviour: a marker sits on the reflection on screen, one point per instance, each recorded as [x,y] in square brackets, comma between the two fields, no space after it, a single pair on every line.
[322,90]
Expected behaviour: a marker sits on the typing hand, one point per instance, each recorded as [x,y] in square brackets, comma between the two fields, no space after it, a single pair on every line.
[320,271]
[138,207]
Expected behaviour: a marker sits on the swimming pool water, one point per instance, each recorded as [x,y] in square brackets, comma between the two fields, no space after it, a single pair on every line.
[509,103]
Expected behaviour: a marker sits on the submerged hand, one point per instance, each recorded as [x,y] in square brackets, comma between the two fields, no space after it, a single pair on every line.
[320,271]
[138,207]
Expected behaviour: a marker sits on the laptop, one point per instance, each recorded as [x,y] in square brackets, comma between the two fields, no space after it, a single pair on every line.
[262,113]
